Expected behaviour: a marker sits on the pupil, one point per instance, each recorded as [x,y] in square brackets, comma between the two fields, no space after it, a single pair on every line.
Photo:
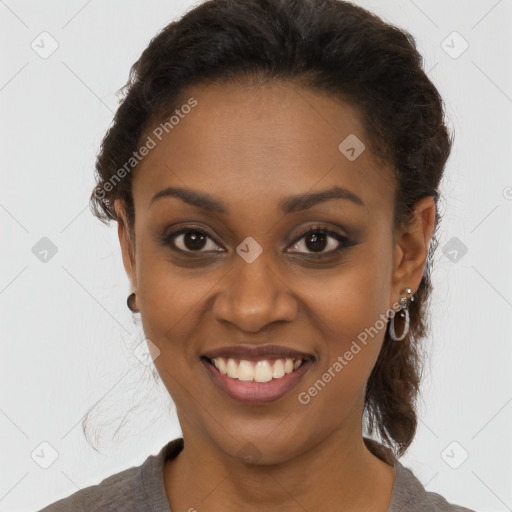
[194,240]
[315,238]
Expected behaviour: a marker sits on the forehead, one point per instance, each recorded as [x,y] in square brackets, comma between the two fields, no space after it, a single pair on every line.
[259,143]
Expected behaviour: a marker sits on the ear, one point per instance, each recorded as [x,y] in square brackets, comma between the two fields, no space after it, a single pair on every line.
[127,244]
[411,248]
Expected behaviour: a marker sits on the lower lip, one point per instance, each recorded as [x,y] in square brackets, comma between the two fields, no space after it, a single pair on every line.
[257,392]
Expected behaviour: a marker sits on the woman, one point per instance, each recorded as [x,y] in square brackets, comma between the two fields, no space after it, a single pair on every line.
[274,171]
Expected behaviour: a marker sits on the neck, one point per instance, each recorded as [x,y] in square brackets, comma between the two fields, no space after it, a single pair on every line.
[338,473]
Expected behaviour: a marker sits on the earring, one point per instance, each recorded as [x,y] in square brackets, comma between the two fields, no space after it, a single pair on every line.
[130,301]
[403,313]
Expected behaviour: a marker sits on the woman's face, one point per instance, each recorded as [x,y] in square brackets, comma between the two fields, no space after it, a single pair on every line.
[245,276]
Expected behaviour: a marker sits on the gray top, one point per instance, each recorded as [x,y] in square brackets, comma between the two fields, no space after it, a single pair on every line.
[142,489]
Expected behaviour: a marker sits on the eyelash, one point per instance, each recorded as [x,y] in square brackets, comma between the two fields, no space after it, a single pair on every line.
[344,242]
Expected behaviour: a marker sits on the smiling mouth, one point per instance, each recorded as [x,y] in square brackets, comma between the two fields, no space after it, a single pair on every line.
[264,370]
[258,379]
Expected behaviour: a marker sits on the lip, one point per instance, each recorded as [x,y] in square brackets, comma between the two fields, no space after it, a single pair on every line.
[251,392]
[256,353]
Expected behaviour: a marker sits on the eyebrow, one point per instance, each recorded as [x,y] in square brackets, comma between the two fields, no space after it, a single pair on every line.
[288,205]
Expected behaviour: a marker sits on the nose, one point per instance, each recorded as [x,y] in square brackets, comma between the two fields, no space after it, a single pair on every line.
[253,295]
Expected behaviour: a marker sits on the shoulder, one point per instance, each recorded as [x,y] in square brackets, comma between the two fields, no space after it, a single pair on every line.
[409,495]
[136,488]
[109,495]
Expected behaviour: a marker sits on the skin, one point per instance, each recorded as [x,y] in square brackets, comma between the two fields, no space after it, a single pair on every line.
[251,146]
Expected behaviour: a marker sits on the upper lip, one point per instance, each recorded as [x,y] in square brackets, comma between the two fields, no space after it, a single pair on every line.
[250,352]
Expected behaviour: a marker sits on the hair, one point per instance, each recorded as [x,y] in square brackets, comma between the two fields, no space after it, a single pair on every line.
[328,46]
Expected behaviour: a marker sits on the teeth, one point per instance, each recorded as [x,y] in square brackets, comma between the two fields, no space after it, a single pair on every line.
[231,369]
[245,371]
[262,371]
[278,370]
[257,371]
[222,366]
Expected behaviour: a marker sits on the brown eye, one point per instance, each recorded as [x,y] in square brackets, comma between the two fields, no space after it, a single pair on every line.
[317,240]
[191,240]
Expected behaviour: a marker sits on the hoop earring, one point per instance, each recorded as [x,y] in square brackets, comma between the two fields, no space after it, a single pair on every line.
[404,313]
[130,302]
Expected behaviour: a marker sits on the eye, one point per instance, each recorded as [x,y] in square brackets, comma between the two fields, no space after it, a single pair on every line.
[190,240]
[316,239]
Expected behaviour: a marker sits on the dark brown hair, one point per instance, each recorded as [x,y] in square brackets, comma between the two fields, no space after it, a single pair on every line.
[329,46]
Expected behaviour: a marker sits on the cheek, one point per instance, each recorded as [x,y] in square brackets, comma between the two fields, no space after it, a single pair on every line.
[171,315]
[166,300]
[351,303]
[350,308]
[170,310]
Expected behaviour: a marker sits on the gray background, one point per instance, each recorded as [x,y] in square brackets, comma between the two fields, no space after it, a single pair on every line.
[67,336]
